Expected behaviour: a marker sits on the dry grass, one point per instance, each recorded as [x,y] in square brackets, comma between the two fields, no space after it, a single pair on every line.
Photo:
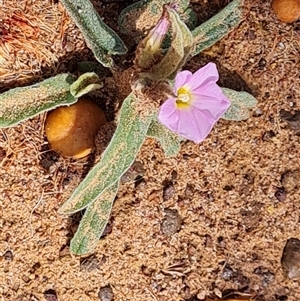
[35,39]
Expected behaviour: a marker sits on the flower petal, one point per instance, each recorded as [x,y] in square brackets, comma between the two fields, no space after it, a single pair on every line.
[208,73]
[157,34]
[211,89]
[169,115]
[211,101]
[194,125]
[181,79]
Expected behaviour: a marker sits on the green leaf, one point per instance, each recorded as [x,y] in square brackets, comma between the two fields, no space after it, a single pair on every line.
[117,158]
[19,104]
[86,83]
[241,102]
[93,222]
[169,141]
[102,40]
[213,30]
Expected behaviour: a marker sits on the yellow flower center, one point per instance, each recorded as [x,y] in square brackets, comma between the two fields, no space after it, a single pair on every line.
[183,99]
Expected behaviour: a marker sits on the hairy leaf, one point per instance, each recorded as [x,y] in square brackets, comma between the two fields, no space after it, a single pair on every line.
[213,30]
[93,222]
[117,158]
[169,141]
[102,40]
[241,102]
[19,104]
[86,83]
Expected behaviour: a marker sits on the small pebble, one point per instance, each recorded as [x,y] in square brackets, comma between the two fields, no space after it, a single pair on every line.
[281,46]
[89,264]
[8,255]
[257,112]
[280,194]
[290,259]
[262,63]
[227,272]
[240,279]
[268,136]
[106,293]
[50,295]
[136,170]
[147,271]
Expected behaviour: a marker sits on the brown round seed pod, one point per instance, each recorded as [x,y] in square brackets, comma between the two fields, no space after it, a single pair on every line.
[286,10]
[70,130]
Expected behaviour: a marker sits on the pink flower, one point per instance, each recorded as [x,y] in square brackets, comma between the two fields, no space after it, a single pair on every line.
[198,105]
[157,34]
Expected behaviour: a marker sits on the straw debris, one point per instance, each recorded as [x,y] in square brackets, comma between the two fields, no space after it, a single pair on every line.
[34,39]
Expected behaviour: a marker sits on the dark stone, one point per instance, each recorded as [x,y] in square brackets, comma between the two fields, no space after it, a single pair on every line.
[280,194]
[134,173]
[293,120]
[290,259]
[2,153]
[89,264]
[8,255]
[50,295]
[227,273]
[262,63]
[106,293]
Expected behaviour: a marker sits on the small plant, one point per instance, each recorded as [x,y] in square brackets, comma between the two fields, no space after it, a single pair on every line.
[158,106]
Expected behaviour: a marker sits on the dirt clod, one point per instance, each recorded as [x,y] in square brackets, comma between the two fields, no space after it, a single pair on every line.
[290,259]
[2,153]
[106,293]
[171,223]
[168,191]
[290,180]
[293,120]
[267,276]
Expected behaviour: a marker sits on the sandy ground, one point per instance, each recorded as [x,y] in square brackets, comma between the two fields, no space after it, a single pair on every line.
[209,223]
